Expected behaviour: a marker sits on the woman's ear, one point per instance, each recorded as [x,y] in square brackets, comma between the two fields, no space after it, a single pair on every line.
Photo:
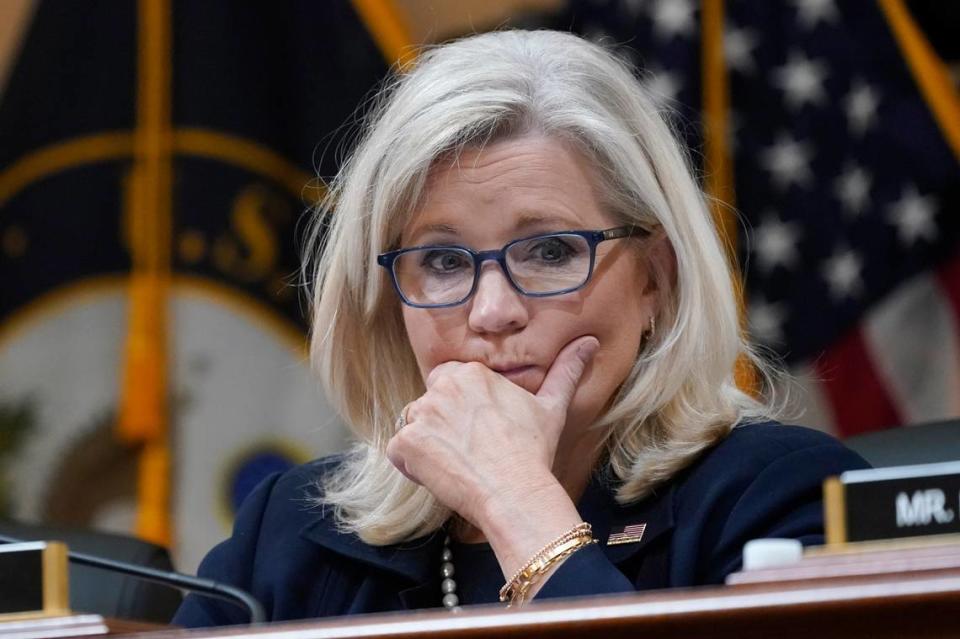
[661,262]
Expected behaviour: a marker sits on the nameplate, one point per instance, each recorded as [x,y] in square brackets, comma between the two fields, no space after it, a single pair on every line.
[892,503]
[33,579]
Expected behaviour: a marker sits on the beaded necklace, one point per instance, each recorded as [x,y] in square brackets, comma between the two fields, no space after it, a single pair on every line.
[448,586]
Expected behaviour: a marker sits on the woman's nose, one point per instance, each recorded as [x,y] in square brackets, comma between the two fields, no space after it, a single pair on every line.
[496,306]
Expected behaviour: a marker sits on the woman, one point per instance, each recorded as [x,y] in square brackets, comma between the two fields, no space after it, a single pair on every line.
[523,311]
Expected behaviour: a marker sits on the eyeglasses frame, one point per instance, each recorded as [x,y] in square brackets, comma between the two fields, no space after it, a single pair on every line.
[388,260]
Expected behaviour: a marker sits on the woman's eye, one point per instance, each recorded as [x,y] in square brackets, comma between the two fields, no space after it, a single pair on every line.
[551,250]
[444,261]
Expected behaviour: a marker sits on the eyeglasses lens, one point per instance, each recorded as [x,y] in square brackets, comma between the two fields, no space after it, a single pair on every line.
[550,263]
[434,275]
[543,265]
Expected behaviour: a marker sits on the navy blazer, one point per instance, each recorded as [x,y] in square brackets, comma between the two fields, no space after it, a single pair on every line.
[763,480]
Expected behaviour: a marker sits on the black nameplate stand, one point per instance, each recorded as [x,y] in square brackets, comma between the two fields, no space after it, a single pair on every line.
[33,580]
[892,503]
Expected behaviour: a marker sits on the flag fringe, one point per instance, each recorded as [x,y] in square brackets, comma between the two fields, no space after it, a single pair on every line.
[144,414]
[389,30]
[928,70]
[718,174]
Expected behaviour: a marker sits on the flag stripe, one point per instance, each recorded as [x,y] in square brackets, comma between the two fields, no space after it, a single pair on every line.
[858,396]
[807,401]
[948,279]
[912,336]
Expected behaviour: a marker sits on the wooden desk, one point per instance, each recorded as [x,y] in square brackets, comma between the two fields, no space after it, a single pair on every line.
[920,603]
[75,625]
[889,606]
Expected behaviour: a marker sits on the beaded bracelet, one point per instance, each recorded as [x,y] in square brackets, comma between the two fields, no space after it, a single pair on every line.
[516,588]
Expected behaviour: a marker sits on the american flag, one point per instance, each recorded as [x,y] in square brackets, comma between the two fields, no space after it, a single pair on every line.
[847,188]
[630,534]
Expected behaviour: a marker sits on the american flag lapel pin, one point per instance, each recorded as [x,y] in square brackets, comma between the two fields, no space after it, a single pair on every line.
[630,534]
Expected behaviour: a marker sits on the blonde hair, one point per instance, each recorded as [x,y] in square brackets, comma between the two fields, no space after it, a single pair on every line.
[680,397]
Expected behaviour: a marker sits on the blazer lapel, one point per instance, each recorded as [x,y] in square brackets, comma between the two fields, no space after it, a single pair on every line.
[426,595]
[416,560]
[654,515]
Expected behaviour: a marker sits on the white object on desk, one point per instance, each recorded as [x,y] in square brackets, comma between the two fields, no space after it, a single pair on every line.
[769,553]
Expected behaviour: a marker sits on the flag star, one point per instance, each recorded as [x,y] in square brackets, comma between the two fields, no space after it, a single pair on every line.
[672,18]
[861,105]
[775,243]
[738,46]
[788,161]
[801,80]
[664,85]
[913,216]
[810,13]
[852,188]
[766,321]
[843,274]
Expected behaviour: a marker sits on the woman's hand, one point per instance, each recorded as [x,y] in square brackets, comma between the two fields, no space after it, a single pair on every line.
[474,436]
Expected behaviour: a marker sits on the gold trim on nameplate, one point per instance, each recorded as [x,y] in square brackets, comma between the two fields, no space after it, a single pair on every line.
[834,512]
[56,598]
[626,535]
[54,588]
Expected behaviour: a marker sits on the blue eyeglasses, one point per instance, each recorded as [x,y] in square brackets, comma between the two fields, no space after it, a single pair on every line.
[537,266]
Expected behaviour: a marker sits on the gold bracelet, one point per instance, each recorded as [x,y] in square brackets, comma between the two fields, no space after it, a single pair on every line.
[516,588]
[519,595]
[580,529]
